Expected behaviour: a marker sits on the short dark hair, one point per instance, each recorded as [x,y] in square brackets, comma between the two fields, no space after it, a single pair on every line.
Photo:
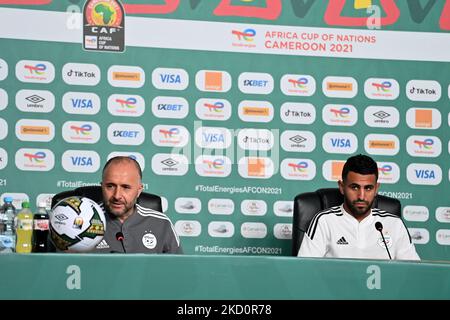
[118,159]
[361,164]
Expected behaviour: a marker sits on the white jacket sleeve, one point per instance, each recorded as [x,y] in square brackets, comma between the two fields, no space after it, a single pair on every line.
[405,249]
[316,247]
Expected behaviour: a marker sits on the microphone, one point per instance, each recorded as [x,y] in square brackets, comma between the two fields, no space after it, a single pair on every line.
[120,237]
[379,227]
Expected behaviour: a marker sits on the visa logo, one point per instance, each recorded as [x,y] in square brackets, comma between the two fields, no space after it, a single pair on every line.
[425,174]
[81,161]
[341,143]
[82,103]
[170,78]
[208,137]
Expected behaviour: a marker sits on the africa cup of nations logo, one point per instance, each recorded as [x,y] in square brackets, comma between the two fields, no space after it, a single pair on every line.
[104,23]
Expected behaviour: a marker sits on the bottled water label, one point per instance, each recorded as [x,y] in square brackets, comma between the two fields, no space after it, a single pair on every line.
[7,243]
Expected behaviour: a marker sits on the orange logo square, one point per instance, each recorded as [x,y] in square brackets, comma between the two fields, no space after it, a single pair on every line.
[424,118]
[213,81]
[336,170]
[256,167]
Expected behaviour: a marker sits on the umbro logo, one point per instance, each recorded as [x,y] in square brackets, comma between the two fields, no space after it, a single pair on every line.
[342,241]
[103,245]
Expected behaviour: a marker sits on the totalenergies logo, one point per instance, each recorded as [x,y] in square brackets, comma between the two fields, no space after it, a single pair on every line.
[385,170]
[215,164]
[299,83]
[341,113]
[129,103]
[35,157]
[246,35]
[383,86]
[171,133]
[38,69]
[300,166]
[426,144]
[216,107]
[104,13]
[84,129]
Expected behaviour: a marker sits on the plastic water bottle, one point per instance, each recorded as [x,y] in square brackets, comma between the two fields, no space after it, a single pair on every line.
[40,230]
[24,229]
[7,228]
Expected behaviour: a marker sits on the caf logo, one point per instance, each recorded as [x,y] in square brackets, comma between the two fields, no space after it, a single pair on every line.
[104,26]
[104,13]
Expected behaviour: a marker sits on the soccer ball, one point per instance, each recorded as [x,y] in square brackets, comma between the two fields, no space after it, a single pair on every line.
[77,224]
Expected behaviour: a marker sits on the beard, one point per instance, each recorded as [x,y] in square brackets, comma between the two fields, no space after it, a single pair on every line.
[356,208]
[125,210]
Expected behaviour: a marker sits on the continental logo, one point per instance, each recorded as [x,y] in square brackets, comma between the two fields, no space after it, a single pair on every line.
[378,144]
[339,86]
[382,144]
[127,76]
[34,130]
[256,111]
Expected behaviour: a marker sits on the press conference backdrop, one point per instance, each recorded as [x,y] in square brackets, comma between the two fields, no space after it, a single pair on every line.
[232,108]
